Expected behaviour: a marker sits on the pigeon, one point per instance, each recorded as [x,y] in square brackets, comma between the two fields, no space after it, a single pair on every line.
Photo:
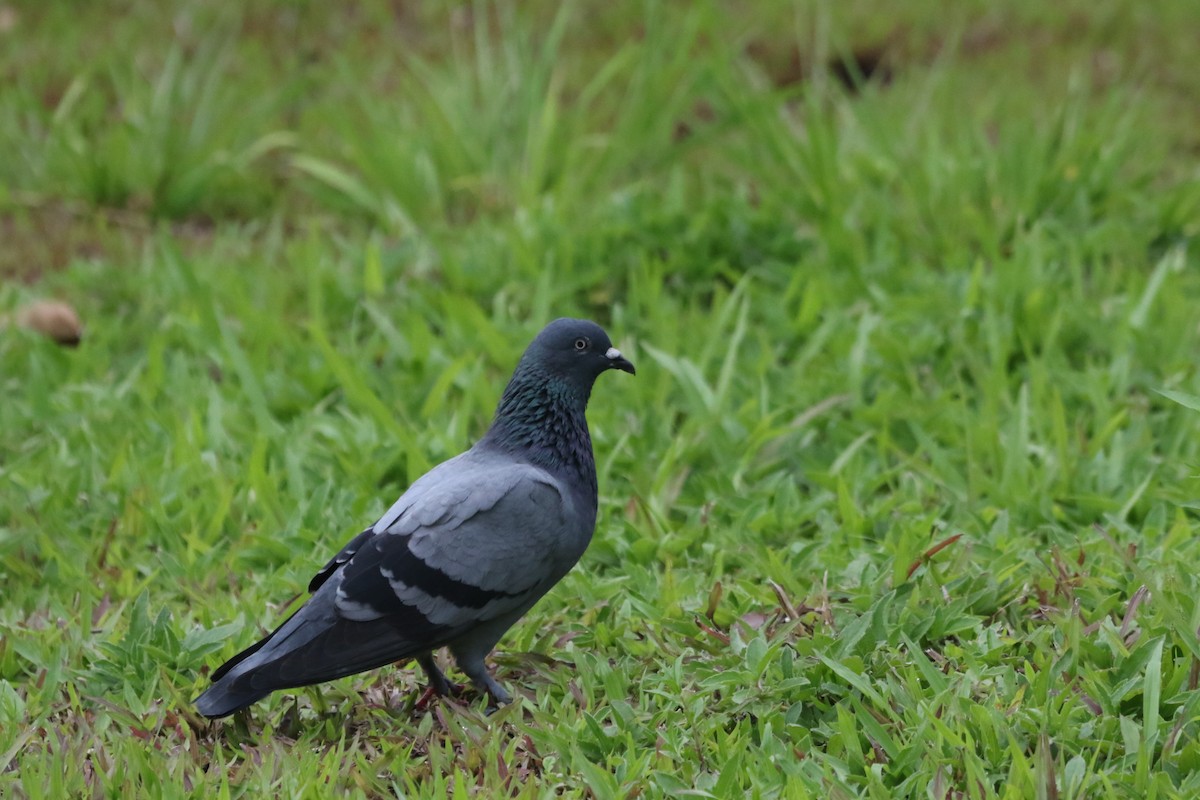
[465,551]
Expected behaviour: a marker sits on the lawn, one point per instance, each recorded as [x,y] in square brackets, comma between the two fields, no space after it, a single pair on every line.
[902,502]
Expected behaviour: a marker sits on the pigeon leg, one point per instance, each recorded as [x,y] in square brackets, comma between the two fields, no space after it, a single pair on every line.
[470,651]
[438,684]
[476,670]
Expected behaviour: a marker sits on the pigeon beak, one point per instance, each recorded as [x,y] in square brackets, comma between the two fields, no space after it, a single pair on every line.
[618,361]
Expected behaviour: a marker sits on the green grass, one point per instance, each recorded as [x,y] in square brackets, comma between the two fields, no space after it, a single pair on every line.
[902,502]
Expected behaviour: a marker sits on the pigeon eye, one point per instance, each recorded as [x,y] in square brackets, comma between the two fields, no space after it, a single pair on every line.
[581,344]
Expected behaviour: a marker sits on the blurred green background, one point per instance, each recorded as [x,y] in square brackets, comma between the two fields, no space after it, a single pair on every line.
[900,504]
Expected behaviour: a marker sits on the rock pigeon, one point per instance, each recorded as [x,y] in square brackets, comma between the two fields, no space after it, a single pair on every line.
[463,554]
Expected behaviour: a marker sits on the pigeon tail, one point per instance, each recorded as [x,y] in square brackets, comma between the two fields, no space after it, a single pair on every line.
[304,651]
[225,697]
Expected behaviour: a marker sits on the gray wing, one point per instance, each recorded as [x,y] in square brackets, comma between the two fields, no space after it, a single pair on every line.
[480,542]
[468,544]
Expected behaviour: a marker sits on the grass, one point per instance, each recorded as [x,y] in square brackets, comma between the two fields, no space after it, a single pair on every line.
[902,502]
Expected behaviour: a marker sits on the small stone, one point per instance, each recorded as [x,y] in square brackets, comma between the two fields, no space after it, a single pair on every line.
[52,318]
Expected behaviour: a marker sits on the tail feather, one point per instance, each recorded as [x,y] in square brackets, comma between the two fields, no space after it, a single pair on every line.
[251,650]
[344,648]
[221,700]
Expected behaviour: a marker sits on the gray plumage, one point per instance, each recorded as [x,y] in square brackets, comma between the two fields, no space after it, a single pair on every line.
[464,553]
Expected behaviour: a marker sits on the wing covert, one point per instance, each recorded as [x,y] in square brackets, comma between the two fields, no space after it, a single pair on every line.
[463,552]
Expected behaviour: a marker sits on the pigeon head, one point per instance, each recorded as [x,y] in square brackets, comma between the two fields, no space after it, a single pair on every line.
[541,414]
[576,350]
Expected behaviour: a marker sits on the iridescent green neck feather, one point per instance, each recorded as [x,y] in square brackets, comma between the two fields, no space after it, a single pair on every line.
[541,418]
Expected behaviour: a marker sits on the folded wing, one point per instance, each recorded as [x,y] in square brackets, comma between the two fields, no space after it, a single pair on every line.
[463,547]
